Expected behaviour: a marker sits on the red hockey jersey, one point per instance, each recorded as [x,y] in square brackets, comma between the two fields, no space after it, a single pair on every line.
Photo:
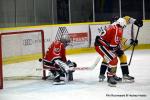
[56,51]
[113,35]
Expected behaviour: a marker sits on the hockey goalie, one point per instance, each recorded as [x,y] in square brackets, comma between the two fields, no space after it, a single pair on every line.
[55,58]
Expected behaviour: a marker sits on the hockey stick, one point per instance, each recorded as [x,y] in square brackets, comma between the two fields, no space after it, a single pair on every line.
[48,67]
[127,48]
[95,63]
[53,68]
[133,47]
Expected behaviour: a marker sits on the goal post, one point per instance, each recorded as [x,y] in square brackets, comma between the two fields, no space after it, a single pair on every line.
[17,51]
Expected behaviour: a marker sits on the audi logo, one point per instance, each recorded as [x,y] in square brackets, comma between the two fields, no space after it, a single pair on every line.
[27,42]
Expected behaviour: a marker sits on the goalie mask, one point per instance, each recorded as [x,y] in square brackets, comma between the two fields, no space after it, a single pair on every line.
[65,39]
[121,22]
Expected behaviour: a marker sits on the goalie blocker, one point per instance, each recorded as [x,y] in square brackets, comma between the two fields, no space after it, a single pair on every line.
[60,67]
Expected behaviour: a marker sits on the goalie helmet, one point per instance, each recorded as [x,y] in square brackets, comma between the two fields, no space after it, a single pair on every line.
[65,39]
[121,22]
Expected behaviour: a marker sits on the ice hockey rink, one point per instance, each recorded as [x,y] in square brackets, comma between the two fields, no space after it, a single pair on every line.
[85,85]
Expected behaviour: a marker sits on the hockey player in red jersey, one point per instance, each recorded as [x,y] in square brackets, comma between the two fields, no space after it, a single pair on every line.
[107,44]
[56,55]
[57,51]
[121,55]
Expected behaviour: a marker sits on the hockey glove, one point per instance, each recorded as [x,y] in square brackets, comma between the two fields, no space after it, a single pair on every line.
[114,49]
[97,43]
[119,52]
[102,30]
[138,22]
[133,42]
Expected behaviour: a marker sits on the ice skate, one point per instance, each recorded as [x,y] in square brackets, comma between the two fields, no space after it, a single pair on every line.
[118,79]
[128,79]
[101,78]
[111,81]
[59,81]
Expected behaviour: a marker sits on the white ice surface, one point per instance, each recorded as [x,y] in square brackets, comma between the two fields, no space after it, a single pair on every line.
[85,85]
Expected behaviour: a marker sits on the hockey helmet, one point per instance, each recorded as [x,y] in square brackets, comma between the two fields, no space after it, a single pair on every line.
[122,22]
[65,39]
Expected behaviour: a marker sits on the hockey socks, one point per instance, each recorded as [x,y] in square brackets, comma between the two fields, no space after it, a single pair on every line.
[125,71]
[110,76]
[110,79]
[103,69]
[124,68]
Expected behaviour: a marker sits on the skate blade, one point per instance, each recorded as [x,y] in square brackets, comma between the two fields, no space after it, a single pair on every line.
[101,80]
[112,85]
[59,83]
[119,81]
[127,81]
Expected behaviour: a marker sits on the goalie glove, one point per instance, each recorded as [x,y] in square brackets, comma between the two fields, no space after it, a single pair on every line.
[71,65]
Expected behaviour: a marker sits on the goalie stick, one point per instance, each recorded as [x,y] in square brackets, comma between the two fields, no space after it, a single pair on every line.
[48,67]
[71,69]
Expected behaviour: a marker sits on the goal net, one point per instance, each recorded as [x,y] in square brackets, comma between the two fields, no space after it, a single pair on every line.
[19,54]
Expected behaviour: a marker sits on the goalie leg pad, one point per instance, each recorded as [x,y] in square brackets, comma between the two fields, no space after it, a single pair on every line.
[70,76]
[62,65]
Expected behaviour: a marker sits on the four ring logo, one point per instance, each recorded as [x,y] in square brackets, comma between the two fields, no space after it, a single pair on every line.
[27,42]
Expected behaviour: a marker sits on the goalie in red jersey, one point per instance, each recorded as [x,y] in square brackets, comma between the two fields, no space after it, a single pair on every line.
[56,57]
[107,45]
